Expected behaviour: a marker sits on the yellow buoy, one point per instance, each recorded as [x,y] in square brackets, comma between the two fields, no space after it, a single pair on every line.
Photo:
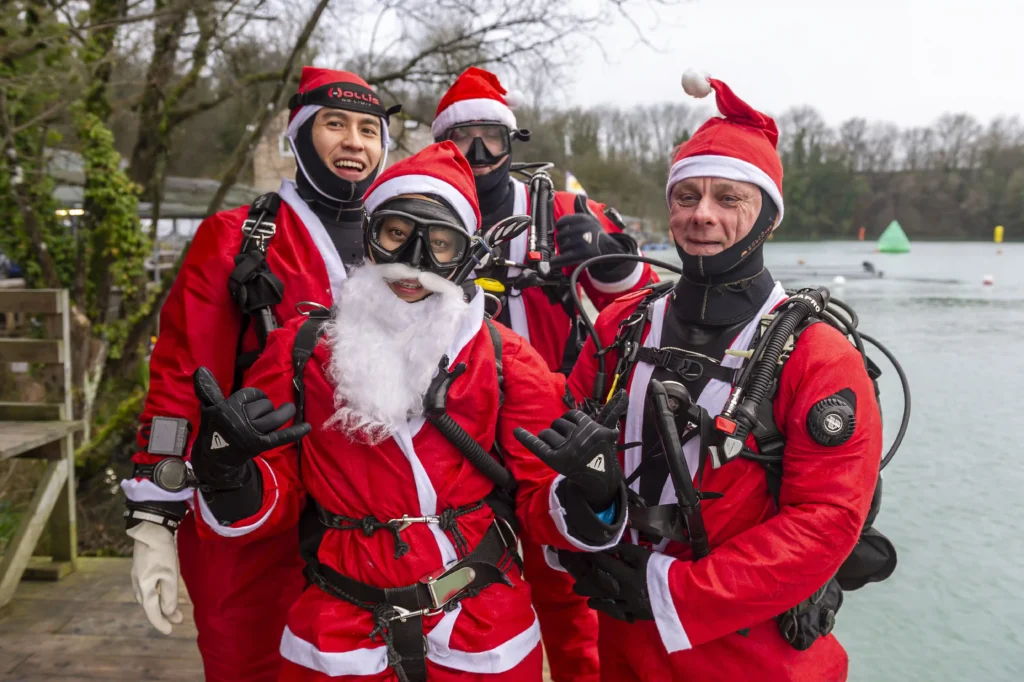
[998,235]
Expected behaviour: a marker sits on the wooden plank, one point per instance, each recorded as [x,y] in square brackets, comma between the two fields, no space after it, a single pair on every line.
[62,527]
[9,661]
[30,412]
[15,644]
[19,551]
[30,300]
[123,620]
[46,351]
[46,569]
[98,666]
[18,438]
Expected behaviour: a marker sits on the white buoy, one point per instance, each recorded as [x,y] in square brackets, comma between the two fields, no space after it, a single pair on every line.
[839,280]
[988,280]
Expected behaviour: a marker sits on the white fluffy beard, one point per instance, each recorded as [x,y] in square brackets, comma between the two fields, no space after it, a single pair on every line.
[384,350]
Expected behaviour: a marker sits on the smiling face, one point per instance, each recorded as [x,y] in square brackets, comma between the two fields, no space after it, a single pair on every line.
[347,142]
[708,215]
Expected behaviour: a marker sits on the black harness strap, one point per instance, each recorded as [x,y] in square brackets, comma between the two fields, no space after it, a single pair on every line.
[689,366]
[254,288]
[397,612]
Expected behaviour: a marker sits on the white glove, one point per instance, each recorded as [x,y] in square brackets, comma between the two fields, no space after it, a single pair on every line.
[155,574]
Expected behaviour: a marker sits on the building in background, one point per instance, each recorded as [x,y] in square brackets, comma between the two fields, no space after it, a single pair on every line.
[272,159]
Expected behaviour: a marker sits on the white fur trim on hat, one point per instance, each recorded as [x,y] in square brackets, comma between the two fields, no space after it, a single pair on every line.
[695,84]
[711,166]
[467,110]
[422,184]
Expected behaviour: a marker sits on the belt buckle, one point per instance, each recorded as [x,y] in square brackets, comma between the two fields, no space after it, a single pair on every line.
[445,584]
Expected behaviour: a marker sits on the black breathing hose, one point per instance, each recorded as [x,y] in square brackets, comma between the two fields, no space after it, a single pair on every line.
[682,480]
[762,365]
[574,280]
[905,422]
[477,456]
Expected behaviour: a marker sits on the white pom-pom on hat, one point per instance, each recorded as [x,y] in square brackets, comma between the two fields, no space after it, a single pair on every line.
[513,99]
[695,84]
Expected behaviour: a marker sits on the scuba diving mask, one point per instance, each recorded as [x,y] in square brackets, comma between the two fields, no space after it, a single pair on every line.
[482,143]
[420,233]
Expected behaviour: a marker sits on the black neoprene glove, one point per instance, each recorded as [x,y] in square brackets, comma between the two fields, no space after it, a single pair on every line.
[583,450]
[581,236]
[614,581]
[235,430]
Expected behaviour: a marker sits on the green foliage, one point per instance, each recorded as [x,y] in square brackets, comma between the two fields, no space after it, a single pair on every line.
[117,244]
[33,74]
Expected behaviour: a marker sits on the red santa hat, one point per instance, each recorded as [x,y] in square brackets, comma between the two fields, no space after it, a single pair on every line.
[441,170]
[476,95]
[320,88]
[741,146]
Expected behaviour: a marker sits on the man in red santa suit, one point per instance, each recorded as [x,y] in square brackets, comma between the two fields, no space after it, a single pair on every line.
[414,575]
[667,612]
[239,280]
[477,114]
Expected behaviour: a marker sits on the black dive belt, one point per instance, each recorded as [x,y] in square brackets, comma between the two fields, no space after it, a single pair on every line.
[397,612]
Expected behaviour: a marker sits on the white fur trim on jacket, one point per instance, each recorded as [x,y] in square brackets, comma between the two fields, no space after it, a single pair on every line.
[239,531]
[712,166]
[557,512]
[483,109]
[423,184]
[359,662]
[624,284]
[673,636]
[318,233]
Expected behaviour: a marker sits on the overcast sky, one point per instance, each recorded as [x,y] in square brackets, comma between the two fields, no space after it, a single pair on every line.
[905,61]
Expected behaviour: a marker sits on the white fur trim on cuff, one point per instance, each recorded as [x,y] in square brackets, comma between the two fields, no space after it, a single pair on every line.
[423,184]
[557,512]
[144,490]
[624,284]
[673,636]
[483,109]
[712,166]
[332,663]
[238,531]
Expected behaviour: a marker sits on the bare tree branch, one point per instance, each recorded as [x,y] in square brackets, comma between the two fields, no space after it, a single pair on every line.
[178,115]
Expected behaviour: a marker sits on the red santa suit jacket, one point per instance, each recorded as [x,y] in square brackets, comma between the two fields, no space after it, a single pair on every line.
[764,560]
[544,324]
[241,592]
[417,472]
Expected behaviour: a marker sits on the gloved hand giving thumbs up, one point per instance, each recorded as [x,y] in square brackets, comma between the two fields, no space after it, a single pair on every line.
[235,430]
[585,451]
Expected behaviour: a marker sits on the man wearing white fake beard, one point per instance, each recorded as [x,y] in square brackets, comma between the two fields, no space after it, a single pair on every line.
[408,532]
[385,350]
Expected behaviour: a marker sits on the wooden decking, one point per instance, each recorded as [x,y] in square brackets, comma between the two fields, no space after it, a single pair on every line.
[88,627]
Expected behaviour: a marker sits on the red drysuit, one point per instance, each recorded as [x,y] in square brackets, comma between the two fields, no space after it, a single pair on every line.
[763,560]
[417,472]
[241,593]
[568,625]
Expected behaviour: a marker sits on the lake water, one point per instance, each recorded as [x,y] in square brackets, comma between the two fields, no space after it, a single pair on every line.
[954,494]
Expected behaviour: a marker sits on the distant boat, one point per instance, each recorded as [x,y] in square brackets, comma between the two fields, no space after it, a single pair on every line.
[894,240]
